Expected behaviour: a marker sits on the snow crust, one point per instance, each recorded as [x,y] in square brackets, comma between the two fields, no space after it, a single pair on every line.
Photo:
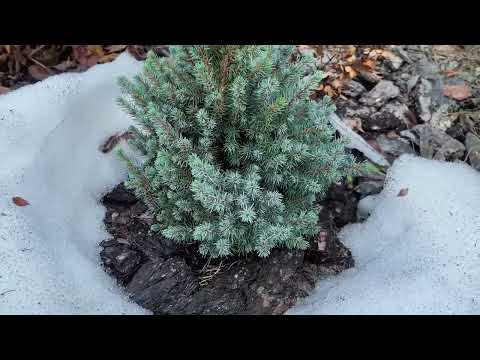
[50,133]
[415,254]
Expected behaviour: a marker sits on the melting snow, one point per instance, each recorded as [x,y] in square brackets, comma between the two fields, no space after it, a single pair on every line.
[49,138]
[415,254]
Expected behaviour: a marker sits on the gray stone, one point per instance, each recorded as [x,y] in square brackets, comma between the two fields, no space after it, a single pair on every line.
[412,82]
[391,116]
[362,112]
[403,54]
[369,188]
[353,89]
[384,91]
[434,143]
[393,148]
[472,143]
[394,62]
[424,99]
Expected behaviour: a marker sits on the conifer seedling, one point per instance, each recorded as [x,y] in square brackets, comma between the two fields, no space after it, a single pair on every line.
[235,153]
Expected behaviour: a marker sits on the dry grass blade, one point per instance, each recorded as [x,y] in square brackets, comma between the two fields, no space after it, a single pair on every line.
[210,272]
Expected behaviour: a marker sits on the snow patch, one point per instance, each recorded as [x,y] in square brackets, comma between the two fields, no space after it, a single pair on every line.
[415,254]
[50,133]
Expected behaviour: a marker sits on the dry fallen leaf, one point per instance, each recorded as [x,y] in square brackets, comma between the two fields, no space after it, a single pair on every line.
[369,63]
[403,192]
[450,72]
[328,90]
[337,84]
[86,55]
[351,59]
[17,200]
[350,71]
[3,90]
[96,49]
[457,92]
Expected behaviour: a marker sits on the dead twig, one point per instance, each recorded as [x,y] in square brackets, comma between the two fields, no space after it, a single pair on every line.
[6,292]
[212,272]
[34,51]
[40,64]
[113,140]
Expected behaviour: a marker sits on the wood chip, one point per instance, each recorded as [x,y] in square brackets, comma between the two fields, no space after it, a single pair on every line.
[17,200]
[3,90]
[403,192]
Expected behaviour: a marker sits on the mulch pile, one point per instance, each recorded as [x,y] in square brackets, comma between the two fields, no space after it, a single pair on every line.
[170,279]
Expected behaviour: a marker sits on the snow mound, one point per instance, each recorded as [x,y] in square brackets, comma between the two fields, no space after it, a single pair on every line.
[415,254]
[50,133]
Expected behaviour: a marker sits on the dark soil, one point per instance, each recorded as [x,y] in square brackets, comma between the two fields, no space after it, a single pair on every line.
[170,279]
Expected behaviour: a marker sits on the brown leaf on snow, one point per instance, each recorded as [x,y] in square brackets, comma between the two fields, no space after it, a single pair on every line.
[3,90]
[17,200]
[38,72]
[457,92]
[403,192]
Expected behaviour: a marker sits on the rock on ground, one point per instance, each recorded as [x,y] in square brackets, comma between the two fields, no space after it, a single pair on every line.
[435,143]
[382,92]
